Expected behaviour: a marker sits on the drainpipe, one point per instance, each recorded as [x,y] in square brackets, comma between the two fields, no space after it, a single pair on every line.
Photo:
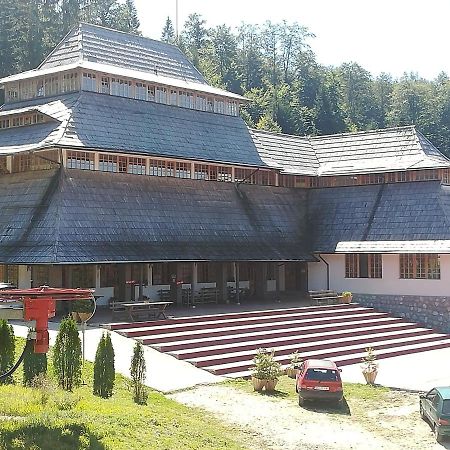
[328,272]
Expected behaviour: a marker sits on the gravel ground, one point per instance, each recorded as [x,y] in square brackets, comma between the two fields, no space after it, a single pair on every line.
[272,423]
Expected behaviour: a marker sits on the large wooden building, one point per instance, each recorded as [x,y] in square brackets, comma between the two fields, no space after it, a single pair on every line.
[121,168]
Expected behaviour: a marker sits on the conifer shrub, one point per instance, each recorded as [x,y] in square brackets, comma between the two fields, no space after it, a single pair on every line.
[7,350]
[67,355]
[138,372]
[104,373]
[34,364]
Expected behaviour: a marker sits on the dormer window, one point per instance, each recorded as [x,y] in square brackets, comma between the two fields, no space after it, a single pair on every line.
[140,91]
[105,89]
[22,120]
[173,97]
[200,102]
[161,95]
[120,87]
[70,82]
[12,94]
[151,93]
[89,82]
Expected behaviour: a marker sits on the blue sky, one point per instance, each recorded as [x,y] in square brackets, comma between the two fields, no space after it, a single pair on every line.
[393,36]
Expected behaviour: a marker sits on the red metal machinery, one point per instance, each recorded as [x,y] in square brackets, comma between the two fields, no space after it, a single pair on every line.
[38,304]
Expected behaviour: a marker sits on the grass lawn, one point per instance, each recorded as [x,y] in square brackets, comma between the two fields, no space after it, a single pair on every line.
[49,418]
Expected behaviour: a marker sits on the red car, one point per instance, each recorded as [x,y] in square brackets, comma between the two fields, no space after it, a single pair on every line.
[319,379]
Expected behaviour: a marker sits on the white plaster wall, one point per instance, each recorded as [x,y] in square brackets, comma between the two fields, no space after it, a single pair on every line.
[390,283]
[24,278]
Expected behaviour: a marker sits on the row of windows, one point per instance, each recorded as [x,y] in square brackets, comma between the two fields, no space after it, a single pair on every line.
[9,274]
[380,178]
[21,121]
[412,266]
[91,81]
[26,162]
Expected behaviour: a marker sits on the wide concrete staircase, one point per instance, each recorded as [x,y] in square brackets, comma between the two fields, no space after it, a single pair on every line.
[225,344]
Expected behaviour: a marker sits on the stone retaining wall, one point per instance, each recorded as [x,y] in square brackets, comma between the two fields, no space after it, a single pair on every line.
[433,312]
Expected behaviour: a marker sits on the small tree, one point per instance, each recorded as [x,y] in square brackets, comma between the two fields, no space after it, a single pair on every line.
[67,355]
[34,364]
[137,371]
[7,349]
[104,373]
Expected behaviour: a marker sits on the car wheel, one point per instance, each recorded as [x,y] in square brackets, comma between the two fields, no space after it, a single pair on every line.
[437,435]
[301,400]
[422,412]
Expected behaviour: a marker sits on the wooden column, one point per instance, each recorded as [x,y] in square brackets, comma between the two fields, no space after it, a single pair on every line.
[194,284]
[236,282]
[141,282]
[277,281]
[221,282]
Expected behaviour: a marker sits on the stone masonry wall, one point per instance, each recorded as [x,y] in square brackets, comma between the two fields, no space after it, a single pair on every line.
[432,312]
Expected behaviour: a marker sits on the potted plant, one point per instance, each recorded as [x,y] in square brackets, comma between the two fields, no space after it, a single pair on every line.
[296,360]
[370,366]
[346,297]
[265,371]
[82,310]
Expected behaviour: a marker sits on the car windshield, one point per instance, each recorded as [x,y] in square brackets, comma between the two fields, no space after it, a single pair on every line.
[446,407]
[322,375]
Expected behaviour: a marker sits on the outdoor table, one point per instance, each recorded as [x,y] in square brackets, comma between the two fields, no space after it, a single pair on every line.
[149,308]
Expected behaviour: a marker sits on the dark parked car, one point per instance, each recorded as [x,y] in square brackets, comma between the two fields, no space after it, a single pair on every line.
[319,379]
[435,408]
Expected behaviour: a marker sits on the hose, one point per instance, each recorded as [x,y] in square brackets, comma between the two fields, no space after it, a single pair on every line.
[28,345]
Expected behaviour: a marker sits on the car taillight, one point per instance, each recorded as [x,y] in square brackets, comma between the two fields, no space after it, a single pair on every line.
[444,422]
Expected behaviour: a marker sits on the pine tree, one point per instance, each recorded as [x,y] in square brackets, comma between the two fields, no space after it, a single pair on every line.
[168,33]
[104,373]
[67,355]
[7,349]
[138,372]
[34,364]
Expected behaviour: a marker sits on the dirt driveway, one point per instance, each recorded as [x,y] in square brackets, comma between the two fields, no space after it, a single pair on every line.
[277,422]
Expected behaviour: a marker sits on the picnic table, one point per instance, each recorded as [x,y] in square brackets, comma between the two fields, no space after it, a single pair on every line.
[146,308]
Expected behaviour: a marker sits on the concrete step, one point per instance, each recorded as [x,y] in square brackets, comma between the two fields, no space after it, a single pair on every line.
[299,341]
[343,345]
[334,323]
[230,316]
[341,356]
[251,321]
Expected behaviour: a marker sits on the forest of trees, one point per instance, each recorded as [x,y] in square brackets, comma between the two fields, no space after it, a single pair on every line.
[270,64]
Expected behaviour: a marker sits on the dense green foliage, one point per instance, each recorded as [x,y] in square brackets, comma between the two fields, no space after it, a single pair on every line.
[104,368]
[67,355]
[138,373]
[7,349]
[30,29]
[274,66]
[34,364]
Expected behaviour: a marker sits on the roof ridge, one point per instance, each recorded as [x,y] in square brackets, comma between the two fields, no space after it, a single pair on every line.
[359,132]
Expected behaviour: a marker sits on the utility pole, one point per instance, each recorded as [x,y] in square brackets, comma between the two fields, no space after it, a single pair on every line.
[176,20]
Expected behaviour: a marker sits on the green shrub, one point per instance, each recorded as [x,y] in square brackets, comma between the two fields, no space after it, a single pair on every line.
[45,386]
[67,355]
[104,373]
[265,367]
[7,349]
[138,371]
[33,365]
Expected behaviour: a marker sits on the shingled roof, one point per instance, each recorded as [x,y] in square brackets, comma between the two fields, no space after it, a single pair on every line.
[375,151]
[104,122]
[106,46]
[398,217]
[74,216]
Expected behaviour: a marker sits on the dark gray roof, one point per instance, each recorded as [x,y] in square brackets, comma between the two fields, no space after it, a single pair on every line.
[103,45]
[291,154]
[375,151]
[99,121]
[403,212]
[73,216]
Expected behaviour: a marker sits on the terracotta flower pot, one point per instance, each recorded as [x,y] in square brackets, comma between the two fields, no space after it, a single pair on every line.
[370,376]
[291,372]
[347,299]
[258,384]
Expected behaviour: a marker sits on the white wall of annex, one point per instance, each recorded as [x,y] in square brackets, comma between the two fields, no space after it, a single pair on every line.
[389,284]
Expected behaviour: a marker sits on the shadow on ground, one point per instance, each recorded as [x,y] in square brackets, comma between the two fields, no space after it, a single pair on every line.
[328,408]
[40,437]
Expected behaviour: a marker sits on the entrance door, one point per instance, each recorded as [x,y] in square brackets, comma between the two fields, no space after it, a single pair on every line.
[296,276]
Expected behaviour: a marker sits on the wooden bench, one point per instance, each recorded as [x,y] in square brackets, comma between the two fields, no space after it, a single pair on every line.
[146,309]
[206,295]
[324,297]
[117,308]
